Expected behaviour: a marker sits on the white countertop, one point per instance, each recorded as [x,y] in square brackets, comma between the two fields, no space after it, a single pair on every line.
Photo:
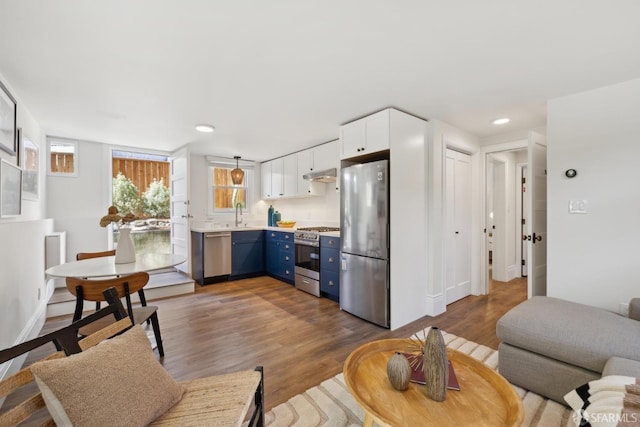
[226,229]
[254,228]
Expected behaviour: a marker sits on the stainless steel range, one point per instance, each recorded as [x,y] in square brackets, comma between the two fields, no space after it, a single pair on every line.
[307,258]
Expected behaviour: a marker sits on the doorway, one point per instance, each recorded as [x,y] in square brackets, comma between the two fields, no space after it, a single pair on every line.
[140,187]
[504,217]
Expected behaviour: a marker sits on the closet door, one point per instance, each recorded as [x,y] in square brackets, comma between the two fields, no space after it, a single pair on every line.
[458,226]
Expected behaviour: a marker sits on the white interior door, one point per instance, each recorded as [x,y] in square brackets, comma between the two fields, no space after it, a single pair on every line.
[458,226]
[180,207]
[499,223]
[525,221]
[537,204]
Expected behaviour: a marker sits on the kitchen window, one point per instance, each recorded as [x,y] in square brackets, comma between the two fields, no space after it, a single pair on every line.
[223,194]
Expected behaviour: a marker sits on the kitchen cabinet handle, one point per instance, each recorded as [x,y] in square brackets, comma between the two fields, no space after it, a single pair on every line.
[286,272]
[286,236]
[286,258]
[330,259]
[331,283]
[286,246]
[331,242]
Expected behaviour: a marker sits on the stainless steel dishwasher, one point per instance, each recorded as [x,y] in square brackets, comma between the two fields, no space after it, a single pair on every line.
[217,254]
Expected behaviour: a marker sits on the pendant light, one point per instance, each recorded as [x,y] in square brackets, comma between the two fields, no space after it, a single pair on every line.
[237,174]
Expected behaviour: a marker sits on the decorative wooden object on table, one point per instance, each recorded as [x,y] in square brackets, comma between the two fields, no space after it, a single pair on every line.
[399,371]
[485,399]
[436,365]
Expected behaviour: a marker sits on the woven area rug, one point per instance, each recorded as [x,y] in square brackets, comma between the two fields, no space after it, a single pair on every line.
[330,404]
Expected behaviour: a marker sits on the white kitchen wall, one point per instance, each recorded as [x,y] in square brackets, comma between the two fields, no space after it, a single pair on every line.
[199,195]
[594,258]
[310,211]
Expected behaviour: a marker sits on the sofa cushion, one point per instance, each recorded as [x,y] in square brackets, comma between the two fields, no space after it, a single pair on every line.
[621,366]
[119,382]
[634,309]
[569,332]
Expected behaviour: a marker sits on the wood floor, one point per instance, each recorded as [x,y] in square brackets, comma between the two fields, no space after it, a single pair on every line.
[300,340]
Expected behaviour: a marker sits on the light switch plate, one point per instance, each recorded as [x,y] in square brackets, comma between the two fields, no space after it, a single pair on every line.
[577,206]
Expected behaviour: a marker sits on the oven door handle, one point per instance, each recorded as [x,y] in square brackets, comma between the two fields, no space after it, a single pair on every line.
[314,256]
[306,243]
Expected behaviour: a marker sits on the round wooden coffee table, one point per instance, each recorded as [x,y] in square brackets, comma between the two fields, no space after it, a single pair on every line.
[485,397]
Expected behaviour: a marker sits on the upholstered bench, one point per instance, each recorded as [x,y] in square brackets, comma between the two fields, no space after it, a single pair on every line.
[551,346]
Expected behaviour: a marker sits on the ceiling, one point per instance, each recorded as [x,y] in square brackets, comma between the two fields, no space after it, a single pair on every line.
[277,76]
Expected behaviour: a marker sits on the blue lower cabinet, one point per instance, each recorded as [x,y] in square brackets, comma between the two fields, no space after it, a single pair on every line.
[272,257]
[287,258]
[330,267]
[280,255]
[330,284]
[247,254]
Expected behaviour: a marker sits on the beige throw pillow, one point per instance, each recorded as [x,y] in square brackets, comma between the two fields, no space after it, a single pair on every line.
[116,383]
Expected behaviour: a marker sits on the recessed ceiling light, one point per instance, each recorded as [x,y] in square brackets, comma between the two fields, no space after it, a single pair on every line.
[205,128]
[501,121]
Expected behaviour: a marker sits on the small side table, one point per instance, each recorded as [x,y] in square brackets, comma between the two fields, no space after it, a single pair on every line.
[485,397]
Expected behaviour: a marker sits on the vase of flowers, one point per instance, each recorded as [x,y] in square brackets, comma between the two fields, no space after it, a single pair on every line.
[125,250]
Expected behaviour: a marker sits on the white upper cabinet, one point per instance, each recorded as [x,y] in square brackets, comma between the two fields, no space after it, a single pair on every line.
[265,175]
[325,156]
[306,164]
[277,178]
[282,177]
[364,136]
[289,176]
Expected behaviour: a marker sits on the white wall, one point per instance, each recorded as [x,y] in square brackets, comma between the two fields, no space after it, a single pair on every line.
[594,258]
[22,283]
[77,203]
[441,136]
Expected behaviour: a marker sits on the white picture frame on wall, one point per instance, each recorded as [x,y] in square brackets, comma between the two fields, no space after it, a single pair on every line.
[10,190]
[30,162]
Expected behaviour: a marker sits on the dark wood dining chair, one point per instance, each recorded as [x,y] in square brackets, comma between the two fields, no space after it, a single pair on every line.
[87,255]
[91,290]
[21,384]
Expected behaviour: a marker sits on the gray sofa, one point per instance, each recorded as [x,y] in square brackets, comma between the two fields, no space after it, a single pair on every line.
[551,346]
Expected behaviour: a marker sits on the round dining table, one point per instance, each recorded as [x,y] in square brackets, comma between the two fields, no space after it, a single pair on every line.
[106,266]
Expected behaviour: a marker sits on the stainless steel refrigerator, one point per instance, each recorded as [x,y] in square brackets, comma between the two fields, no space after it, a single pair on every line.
[364,232]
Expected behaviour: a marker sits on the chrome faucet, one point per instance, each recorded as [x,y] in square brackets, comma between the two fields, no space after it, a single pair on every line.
[238,206]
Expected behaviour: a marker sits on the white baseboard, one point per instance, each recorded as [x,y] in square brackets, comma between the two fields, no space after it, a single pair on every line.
[30,331]
[435,305]
[513,271]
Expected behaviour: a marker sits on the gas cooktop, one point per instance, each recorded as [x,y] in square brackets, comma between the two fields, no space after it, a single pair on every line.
[319,229]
